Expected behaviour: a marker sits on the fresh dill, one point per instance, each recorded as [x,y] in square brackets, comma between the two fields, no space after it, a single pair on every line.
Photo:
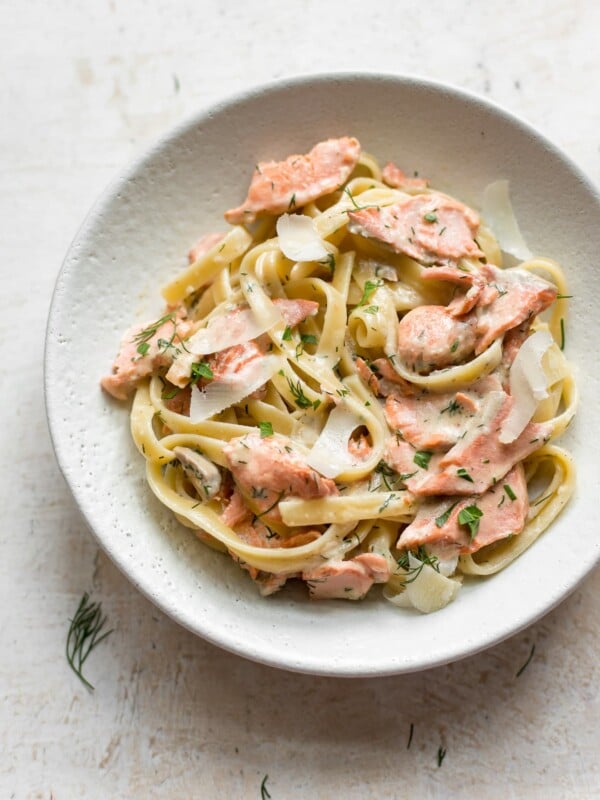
[287,334]
[508,489]
[271,507]
[143,337]
[452,407]
[527,663]
[300,398]
[390,477]
[462,473]
[368,290]
[564,296]
[264,792]
[85,633]
[292,203]
[355,204]
[562,334]
[386,503]
[412,573]
[441,755]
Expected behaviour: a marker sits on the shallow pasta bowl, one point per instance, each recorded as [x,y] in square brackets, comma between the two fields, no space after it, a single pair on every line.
[135,240]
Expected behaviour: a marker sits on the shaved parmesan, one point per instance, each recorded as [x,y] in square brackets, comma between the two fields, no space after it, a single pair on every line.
[330,455]
[223,331]
[498,213]
[528,384]
[219,395]
[430,590]
[298,238]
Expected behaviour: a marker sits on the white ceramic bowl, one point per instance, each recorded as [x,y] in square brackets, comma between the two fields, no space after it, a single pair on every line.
[136,238]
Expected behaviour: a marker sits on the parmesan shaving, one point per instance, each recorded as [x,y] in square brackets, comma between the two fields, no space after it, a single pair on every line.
[499,215]
[219,395]
[528,384]
[222,331]
[430,590]
[298,238]
[330,455]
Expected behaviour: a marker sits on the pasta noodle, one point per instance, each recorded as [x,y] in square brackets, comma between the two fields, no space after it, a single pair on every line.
[336,420]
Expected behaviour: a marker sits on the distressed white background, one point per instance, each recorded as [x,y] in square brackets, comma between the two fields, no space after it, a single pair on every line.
[84,86]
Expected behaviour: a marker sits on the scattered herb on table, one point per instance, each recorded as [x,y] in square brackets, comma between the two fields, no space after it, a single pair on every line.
[85,633]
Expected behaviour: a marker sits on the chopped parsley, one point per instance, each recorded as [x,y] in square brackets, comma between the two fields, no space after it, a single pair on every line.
[143,348]
[470,516]
[443,518]
[201,369]
[462,473]
[287,334]
[266,429]
[422,458]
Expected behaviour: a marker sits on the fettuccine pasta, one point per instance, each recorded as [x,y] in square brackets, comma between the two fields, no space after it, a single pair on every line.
[347,387]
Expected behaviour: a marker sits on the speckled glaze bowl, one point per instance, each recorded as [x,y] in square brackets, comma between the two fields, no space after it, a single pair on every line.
[136,238]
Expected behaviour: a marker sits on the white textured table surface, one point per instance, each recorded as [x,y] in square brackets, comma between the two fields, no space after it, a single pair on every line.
[84,87]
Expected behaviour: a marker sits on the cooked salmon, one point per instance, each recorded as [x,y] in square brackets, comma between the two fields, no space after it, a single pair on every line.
[512,297]
[279,186]
[431,228]
[481,455]
[347,580]
[431,338]
[144,349]
[382,379]
[268,469]
[503,513]
[397,179]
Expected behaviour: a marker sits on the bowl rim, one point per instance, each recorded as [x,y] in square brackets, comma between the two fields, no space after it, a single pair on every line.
[127,171]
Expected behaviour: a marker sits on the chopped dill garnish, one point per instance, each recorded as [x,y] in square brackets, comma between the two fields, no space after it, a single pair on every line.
[412,573]
[441,755]
[300,398]
[526,664]
[462,473]
[287,334]
[508,489]
[264,792]
[452,407]
[368,290]
[85,633]
[562,334]
[292,203]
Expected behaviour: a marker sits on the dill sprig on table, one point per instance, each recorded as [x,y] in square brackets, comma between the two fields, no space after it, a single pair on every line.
[85,633]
